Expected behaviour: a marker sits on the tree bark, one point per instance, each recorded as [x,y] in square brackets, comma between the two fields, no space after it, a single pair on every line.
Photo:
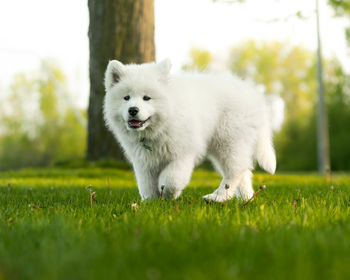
[123,30]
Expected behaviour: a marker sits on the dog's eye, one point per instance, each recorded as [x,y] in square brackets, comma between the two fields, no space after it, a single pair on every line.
[127,97]
[146,98]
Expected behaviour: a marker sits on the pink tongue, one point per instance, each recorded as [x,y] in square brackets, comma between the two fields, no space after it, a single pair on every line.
[135,123]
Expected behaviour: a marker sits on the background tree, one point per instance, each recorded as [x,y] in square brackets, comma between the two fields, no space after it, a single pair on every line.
[123,30]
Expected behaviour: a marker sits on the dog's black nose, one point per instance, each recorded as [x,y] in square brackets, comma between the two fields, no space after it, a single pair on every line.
[133,111]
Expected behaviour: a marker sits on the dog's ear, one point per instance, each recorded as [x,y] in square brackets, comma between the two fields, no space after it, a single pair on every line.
[164,66]
[115,71]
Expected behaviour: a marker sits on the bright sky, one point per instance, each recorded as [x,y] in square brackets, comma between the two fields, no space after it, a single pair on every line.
[30,30]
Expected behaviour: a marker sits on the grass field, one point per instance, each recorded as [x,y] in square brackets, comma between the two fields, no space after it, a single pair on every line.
[49,229]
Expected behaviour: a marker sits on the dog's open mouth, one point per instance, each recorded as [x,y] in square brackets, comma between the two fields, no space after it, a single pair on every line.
[135,124]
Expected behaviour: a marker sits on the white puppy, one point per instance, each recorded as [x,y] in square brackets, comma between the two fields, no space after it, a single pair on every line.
[169,123]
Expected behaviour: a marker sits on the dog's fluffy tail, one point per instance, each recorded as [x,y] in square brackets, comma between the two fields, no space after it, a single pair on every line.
[265,155]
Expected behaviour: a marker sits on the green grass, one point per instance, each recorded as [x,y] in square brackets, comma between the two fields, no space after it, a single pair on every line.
[49,229]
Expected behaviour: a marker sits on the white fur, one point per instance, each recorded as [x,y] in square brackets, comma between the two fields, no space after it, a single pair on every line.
[192,116]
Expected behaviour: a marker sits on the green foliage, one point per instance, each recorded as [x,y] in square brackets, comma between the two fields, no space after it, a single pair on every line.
[37,128]
[50,230]
[338,99]
[342,8]
[200,60]
[282,69]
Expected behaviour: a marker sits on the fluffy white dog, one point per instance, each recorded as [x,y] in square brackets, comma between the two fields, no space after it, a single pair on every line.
[169,123]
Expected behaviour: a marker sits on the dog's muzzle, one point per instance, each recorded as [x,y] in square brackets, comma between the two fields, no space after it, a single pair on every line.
[135,124]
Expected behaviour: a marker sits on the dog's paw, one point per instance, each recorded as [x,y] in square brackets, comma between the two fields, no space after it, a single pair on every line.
[149,196]
[244,196]
[215,197]
[170,192]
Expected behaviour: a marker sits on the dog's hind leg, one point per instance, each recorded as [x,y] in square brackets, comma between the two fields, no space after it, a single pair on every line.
[233,161]
[245,189]
[226,190]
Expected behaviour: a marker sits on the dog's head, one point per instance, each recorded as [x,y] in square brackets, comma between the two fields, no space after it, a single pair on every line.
[135,95]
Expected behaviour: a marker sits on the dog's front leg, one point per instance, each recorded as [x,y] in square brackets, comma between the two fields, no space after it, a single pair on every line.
[147,181]
[175,176]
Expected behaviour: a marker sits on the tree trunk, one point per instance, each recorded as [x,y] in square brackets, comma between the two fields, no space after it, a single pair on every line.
[123,30]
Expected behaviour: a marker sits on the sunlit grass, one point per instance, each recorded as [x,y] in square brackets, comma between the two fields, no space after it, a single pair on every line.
[51,229]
